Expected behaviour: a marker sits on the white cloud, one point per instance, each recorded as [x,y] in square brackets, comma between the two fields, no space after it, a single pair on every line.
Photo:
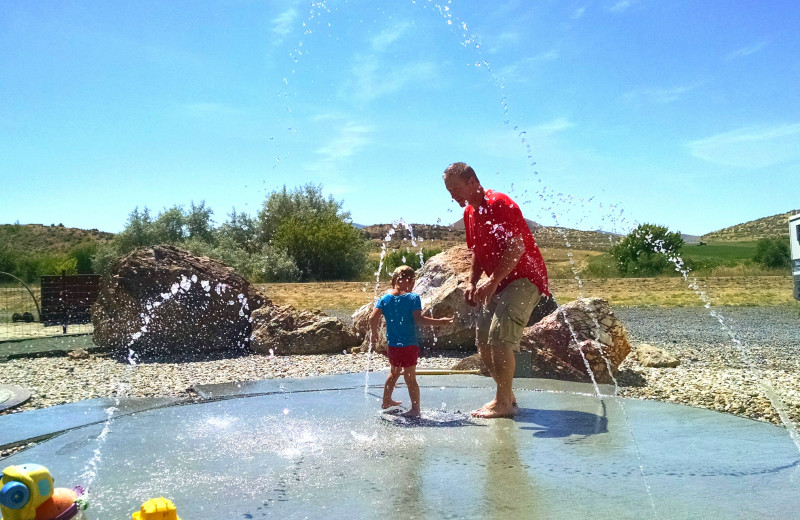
[387,37]
[751,147]
[621,6]
[283,24]
[502,41]
[578,13]
[551,127]
[373,79]
[518,71]
[508,143]
[655,95]
[746,51]
[350,138]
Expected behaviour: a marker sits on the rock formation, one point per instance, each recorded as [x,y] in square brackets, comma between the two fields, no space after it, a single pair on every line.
[165,299]
[580,333]
[650,356]
[282,330]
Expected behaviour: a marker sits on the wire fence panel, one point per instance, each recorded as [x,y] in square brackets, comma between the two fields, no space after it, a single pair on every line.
[23,317]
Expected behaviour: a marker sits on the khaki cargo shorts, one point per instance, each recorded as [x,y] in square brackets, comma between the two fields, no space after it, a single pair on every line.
[502,321]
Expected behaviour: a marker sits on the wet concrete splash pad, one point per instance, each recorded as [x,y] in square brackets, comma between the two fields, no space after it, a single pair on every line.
[318,447]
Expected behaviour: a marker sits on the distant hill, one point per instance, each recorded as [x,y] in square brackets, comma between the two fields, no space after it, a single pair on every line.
[459,225]
[776,226]
[545,236]
[426,231]
[37,238]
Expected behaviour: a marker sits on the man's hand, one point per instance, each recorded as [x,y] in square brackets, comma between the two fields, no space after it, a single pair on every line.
[469,294]
[485,291]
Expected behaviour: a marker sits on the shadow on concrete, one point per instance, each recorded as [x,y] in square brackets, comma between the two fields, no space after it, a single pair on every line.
[552,424]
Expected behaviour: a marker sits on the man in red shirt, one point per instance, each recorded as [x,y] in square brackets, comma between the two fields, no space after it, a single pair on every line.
[504,250]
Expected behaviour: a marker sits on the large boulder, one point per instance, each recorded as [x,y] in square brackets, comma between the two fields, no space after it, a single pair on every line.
[163,298]
[580,333]
[282,330]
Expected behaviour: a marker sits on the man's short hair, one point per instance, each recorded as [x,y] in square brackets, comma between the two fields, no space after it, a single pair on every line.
[461,171]
[404,272]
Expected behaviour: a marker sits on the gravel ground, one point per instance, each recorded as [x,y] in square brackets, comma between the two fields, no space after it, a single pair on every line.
[742,362]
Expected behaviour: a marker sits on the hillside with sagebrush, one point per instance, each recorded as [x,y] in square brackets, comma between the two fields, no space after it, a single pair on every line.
[32,239]
[775,226]
[545,236]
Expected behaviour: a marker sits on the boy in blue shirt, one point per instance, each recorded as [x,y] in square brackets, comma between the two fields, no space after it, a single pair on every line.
[403,312]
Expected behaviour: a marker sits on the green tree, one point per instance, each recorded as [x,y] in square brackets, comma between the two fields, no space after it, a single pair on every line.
[138,232]
[647,250]
[198,222]
[314,232]
[773,253]
[83,253]
[301,203]
[168,227]
[240,229]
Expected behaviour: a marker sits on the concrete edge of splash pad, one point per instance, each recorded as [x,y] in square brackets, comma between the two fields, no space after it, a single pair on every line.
[359,380]
[38,425]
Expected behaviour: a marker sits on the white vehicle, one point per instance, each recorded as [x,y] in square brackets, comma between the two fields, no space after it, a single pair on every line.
[794,239]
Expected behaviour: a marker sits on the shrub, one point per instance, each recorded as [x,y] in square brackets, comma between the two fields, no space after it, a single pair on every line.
[647,250]
[773,253]
[397,258]
[83,253]
[314,232]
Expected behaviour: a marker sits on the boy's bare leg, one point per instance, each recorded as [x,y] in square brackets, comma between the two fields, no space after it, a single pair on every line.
[388,387]
[504,403]
[410,377]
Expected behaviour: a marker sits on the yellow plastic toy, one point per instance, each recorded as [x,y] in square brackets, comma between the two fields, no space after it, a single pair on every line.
[157,509]
[24,488]
[27,493]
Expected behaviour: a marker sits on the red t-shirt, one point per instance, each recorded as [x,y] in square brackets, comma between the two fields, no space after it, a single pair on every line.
[490,226]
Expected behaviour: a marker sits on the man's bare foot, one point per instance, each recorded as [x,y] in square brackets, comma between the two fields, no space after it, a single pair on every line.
[412,413]
[485,407]
[495,410]
[390,403]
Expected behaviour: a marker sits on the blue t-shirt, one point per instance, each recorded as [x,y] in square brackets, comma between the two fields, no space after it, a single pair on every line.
[401,331]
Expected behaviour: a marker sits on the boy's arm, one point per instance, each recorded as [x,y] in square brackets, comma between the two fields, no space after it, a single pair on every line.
[419,319]
[374,323]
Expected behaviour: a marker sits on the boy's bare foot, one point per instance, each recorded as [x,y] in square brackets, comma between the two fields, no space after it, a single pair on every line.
[390,403]
[494,410]
[412,413]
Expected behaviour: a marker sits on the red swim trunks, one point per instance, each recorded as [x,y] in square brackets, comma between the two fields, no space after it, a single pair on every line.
[403,356]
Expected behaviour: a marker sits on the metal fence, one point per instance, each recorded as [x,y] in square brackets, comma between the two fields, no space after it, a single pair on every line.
[58,305]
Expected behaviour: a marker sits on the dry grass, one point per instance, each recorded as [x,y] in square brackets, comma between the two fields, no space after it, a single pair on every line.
[347,296]
[657,292]
[675,292]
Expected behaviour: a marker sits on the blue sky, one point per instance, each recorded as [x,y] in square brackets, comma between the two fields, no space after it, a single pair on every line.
[591,114]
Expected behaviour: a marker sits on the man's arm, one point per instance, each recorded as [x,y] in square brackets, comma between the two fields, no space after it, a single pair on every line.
[509,260]
[475,272]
